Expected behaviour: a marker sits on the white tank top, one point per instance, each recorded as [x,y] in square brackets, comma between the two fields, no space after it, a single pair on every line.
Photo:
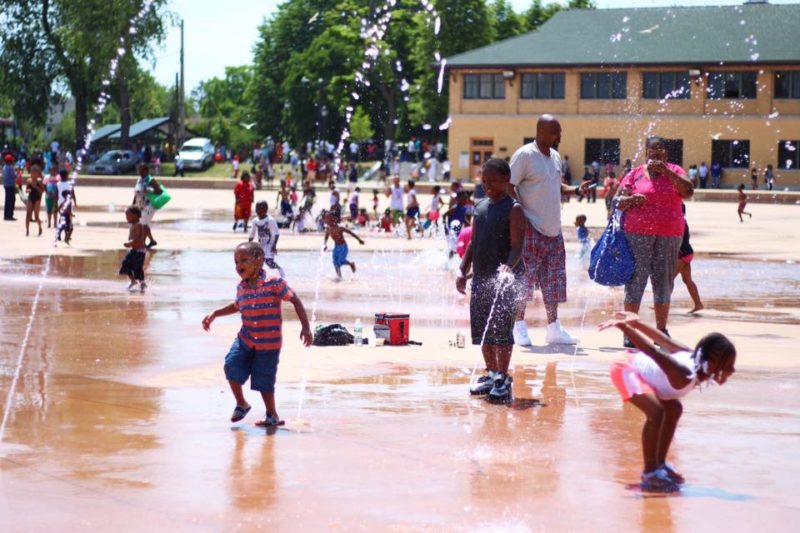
[652,374]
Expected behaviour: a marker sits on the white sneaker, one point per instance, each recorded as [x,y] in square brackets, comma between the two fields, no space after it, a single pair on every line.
[556,334]
[521,334]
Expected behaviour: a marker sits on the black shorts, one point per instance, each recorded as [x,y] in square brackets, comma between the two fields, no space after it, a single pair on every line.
[133,265]
[482,299]
[412,212]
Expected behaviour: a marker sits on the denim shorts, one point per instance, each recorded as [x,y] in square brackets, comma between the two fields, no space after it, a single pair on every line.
[261,366]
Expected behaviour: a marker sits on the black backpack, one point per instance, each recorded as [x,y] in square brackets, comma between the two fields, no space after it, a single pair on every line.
[332,335]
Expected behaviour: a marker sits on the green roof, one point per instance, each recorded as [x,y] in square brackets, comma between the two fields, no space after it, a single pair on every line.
[141,127]
[741,34]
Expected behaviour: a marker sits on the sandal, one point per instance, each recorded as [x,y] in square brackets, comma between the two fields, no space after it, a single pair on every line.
[239,413]
[270,421]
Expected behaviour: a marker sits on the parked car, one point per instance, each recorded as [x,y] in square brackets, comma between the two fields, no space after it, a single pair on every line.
[116,162]
[197,154]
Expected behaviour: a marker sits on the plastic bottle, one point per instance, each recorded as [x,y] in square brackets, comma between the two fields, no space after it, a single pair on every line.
[459,340]
[358,332]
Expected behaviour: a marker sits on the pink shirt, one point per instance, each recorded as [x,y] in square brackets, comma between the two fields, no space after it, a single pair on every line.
[660,214]
[463,241]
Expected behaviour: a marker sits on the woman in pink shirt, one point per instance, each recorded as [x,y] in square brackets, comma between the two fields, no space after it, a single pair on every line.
[651,196]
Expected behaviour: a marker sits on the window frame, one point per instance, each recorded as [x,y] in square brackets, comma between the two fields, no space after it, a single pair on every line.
[480,82]
[730,157]
[531,80]
[680,79]
[603,151]
[616,83]
[793,90]
[726,76]
[783,151]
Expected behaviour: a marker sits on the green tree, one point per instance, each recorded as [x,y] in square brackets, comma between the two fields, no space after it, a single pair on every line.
[361,126]
[75,42]
[538,14]
[225,108]
[507,22]
[466,25]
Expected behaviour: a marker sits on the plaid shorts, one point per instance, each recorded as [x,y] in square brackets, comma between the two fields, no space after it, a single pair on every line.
[545,266]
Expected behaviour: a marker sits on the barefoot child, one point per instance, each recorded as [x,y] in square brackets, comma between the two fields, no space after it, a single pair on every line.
[655,378]
[582,232]
[684,267]
[742,198]
[256,350]
[133,264]
[266,228]
[65,207]
[336,232]
[495,255]
[243,194]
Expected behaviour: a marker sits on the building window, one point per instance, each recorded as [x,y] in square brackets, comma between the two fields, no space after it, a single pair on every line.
[542,85]
[725,85]
[674,149]
[601,150]
[604,85]
[484,86]
[789,154]
[787,84]
[731,154]
[671,85]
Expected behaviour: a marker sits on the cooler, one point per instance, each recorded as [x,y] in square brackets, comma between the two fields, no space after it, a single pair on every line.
[398,324]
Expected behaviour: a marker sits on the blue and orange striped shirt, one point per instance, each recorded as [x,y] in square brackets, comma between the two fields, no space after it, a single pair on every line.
[260,307]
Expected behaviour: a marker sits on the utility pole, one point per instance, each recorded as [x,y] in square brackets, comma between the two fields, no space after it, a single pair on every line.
[181,105]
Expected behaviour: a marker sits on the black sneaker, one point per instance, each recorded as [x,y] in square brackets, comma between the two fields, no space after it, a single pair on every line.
[501,391]
[665,331]
[626,342]
[658,481]
[483,385]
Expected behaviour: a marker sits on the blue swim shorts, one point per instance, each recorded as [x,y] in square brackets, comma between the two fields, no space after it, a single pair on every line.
[340,255]
[261,366]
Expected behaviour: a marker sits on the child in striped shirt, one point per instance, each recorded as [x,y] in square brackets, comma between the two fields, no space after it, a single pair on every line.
[255,351]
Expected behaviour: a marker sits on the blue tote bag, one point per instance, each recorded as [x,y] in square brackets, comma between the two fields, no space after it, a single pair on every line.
[611,261]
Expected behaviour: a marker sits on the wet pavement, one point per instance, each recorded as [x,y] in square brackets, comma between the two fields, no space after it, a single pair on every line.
[119,417]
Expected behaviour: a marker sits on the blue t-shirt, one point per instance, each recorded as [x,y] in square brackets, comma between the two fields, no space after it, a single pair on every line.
[583,233]
[9,176]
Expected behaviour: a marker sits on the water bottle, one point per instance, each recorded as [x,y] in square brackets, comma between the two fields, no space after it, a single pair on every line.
[357,332]
[459,340]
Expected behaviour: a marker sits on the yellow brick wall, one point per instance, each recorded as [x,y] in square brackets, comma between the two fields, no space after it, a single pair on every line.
[697,121]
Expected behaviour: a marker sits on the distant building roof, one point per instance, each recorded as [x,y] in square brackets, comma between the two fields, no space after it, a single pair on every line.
[105,131]
[741,34]
[142,127]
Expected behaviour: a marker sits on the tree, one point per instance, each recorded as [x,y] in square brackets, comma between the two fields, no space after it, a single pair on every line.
[74,42]
[361,126]
[465,25]
[537,14]
[224,105]
[507,23]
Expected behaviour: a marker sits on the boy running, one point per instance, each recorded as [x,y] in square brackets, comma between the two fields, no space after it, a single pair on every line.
[336,232]
[266,228]
[256,350]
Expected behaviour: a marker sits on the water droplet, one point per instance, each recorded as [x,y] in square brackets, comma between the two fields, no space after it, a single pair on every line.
[426,127]
[742,22]
[625,19]
[754,56]
[774,115]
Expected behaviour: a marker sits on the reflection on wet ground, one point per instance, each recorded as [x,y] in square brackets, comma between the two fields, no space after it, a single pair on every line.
[393,281]
[401,446]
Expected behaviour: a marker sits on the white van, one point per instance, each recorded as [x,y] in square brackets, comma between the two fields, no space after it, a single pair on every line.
[197,153]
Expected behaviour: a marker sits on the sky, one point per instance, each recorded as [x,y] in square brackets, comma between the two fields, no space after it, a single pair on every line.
[216,37]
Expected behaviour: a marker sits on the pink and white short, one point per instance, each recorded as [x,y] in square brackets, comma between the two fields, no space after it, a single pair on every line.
[627,381]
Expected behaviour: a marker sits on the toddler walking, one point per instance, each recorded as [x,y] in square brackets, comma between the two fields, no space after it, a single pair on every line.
[266,228]
[255,352]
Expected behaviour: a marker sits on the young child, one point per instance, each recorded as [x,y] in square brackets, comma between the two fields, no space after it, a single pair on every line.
[375,202]
[412,207]
[495,256]
[584,241]
[436,202]
[65,207]
[336,232]
[742,198]
[386,221]
[361,219]
[256,350]
[684,266]
[51,197]
[284,202]
[655,378]
[133,264]
[266,228]
[244,194]
[353,203]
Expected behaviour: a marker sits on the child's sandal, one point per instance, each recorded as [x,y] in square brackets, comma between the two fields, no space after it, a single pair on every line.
[239,413]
